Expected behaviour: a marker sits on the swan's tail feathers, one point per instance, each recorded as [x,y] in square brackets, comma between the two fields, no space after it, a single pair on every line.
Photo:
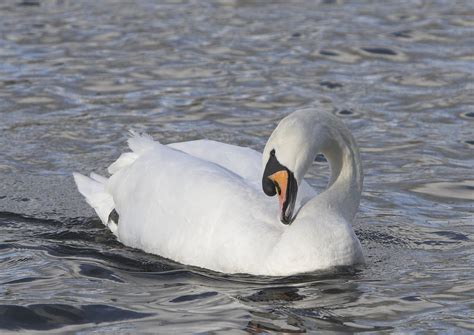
[140,143]
[93,189]
[125,159]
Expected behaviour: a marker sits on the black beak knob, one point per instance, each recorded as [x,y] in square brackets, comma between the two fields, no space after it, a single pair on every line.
[268,186]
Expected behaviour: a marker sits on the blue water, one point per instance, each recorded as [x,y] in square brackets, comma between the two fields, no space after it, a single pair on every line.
[75,76]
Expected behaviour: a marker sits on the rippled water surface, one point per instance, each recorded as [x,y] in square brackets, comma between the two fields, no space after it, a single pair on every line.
[76,75]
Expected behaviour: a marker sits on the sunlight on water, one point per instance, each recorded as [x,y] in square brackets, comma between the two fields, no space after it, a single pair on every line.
[75,76]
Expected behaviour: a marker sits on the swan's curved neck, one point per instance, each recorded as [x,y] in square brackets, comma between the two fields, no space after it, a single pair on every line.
[305,133]
[345,184]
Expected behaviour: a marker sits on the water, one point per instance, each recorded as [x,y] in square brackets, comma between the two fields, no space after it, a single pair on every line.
[76,75]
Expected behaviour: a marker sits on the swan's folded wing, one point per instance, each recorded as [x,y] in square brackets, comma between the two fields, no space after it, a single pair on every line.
[190,210]
[245,162]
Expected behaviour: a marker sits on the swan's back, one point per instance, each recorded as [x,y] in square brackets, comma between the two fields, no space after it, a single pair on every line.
[193,211]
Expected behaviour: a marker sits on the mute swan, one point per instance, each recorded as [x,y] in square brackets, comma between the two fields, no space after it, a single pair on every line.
[201,202]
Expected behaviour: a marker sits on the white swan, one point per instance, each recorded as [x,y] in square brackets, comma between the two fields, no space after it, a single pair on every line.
[201,202]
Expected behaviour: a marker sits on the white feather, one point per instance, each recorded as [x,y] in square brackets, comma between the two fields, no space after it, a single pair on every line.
[93,189]
[201,202]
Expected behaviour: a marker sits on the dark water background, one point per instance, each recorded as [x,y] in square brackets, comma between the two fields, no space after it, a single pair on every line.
[76,75]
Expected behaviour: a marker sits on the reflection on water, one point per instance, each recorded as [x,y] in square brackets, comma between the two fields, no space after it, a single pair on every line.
[457,190]
[75,76]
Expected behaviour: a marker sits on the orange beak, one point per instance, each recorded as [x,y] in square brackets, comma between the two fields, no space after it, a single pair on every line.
[280,179]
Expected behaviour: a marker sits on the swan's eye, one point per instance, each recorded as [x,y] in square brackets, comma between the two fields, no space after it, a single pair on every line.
[272,153]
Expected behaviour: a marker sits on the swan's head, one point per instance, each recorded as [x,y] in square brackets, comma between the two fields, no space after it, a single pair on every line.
[289,152]
[279,179]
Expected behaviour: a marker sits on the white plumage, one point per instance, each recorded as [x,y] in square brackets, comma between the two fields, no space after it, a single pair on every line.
[201,203]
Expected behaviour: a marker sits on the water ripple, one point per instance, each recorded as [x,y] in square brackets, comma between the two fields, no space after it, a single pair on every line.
[75,76]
